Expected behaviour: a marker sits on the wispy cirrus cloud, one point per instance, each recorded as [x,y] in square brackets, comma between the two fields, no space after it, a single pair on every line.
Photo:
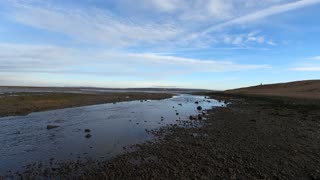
[180,28]
[256,15]
[53,59]
[155,40]
[316,58]
[307,68]
[308,65]
[94,26]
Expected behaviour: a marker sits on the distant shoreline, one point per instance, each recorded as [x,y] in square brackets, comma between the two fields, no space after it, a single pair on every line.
[24,103]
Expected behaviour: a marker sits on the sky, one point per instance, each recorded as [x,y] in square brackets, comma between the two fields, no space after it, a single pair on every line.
[208,44]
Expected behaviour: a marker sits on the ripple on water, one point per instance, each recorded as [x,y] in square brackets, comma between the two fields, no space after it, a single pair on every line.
[25,139]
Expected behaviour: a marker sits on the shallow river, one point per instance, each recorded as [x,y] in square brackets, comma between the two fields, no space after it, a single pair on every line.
[26,139]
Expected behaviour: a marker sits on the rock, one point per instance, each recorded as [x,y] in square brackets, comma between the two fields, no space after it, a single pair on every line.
[180,104]
[177,114]
[196,102]
[88,136]
[87,130]
[51,126]
[194,135]
[199,108]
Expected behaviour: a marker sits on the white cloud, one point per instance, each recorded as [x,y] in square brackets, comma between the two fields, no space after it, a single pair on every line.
[244,39]
[51,65]
[256,15]
[193,65]
[220,9]
[316,58]
[94,26]
[182,27]
[57,60]
[307,68]
[308,65]
[166,5]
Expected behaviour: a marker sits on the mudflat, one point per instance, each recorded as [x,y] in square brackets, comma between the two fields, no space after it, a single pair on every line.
[251,138]
[25,103]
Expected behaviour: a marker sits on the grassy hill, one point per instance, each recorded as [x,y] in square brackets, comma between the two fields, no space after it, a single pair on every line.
[298,89]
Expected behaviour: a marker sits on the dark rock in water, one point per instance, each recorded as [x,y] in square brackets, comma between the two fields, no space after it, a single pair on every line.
[177,114]
[199,108]
[196,102]
[87,130]
[52,126]
[199,117]
[88,136]
[180,104]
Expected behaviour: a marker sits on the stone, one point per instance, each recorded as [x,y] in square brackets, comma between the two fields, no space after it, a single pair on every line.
[51,126]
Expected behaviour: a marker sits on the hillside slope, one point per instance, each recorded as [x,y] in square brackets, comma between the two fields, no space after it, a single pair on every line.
[299,89]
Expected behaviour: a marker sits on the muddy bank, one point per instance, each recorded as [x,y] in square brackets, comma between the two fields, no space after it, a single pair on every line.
[25,103]
[253,138]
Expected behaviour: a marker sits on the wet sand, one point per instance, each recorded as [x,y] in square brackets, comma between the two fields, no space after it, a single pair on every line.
[252,138]
[12,104]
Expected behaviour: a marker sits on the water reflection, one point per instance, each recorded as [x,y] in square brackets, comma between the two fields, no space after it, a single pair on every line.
[26,139]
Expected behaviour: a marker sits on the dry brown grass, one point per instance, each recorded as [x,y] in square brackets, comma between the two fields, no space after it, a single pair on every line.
[300,89]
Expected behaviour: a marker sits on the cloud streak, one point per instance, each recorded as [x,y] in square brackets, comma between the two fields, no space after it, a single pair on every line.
[251,17]
[95,25]
[52,59]
[316,58]
[307,69]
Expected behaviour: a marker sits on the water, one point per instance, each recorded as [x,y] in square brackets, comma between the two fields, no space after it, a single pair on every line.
[25,139]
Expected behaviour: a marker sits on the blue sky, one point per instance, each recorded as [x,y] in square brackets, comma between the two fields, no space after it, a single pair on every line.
[212,44]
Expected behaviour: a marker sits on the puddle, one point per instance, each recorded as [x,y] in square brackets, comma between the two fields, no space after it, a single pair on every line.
[26,139]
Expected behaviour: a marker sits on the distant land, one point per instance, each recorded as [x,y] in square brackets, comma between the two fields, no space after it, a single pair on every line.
[298,89]
[94,90]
